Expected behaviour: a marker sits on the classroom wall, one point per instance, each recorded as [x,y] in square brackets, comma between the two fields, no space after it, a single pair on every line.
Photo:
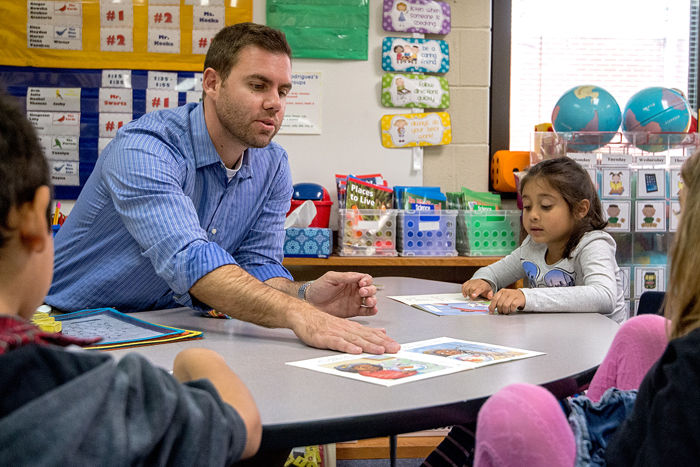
[350,142]
[465,162]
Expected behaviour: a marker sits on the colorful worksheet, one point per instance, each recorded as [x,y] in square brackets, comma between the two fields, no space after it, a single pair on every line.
[415,361]
[118,329]
[451,304]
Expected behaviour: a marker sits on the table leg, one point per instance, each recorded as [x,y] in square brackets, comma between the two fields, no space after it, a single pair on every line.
[392,450]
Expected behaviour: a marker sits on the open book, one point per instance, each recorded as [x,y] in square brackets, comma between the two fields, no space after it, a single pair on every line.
[415,361]
[445,304]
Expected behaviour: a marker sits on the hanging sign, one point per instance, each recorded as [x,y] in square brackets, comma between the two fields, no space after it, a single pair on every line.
[424,16]
[419,129]
[416,55]
[412,90]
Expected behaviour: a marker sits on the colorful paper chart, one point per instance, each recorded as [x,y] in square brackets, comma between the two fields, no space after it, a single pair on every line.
[419,129]
[404,54]
[424,16]
[414,90]
[119,329]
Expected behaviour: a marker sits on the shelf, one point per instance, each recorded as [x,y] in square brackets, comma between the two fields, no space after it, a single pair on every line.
[378,448]
[409,261]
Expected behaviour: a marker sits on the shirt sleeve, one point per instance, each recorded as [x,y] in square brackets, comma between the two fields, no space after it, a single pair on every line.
[503,272]
[145,184]
[164,419]
[597,292]
[261,252]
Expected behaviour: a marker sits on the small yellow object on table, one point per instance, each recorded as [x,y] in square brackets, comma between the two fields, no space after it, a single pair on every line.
[46,323]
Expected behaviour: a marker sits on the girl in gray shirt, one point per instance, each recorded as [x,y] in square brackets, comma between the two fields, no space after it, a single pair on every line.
[567,260]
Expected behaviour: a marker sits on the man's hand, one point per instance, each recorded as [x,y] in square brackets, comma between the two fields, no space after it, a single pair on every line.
[507,301]
[321,330]
[344,294]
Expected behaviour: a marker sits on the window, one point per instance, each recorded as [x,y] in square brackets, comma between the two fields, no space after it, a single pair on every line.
[547,48]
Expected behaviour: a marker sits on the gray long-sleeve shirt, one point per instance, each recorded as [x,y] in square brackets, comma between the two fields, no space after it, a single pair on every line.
[589,281]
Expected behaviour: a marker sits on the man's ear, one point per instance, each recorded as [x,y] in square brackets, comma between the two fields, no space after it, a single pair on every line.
[211,82]
[582,209]
[33,224]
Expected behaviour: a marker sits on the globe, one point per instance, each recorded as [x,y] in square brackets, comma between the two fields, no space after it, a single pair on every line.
[653,111]
[586,109]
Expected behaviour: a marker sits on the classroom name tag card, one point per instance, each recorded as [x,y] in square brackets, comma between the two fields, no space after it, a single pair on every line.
[415,55]
[424,16]
[60,99]
[419,129]
[415,91]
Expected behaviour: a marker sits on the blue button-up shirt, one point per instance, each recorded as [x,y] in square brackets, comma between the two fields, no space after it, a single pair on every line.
[158,213]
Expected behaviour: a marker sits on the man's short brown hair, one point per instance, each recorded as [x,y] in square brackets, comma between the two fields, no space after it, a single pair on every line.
[227,44]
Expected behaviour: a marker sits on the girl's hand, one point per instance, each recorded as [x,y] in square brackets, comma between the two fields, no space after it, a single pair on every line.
[477,287]
[507,301]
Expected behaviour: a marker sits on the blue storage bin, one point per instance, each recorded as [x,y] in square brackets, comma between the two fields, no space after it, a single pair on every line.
[427,233]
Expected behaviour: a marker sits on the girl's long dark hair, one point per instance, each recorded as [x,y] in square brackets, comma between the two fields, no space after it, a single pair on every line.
[571,180]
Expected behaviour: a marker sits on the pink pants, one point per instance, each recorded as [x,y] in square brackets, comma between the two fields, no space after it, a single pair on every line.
[523,424]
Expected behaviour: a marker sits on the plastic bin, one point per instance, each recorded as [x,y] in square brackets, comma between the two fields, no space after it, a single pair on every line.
[367,232]
[487,233]
[427,233]
[323,212]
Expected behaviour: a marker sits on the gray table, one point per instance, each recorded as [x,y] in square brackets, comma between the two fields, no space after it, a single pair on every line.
[301,407]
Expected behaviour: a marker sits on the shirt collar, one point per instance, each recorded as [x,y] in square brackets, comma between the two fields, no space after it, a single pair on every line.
[201,139]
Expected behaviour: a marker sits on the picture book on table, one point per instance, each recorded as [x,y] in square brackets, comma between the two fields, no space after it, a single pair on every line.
[416,361]
[450,304]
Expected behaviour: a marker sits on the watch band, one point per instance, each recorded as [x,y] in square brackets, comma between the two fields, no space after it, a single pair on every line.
[302,290]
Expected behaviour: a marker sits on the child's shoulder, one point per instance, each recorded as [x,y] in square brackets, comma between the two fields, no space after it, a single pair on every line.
[595,239]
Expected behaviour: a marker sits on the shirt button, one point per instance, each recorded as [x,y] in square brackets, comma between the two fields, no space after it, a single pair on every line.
[213,231]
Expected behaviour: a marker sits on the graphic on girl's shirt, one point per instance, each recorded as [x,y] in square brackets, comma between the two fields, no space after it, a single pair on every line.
[559,278]
[531,271]
[554,278]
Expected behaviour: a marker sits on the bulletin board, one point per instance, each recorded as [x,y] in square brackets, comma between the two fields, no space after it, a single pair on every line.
[349,103]
[96,26]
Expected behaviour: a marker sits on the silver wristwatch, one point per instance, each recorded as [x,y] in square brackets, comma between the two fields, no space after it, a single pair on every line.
[302,290]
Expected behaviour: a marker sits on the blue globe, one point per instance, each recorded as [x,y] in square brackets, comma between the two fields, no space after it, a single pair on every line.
[653,111]
[586,109]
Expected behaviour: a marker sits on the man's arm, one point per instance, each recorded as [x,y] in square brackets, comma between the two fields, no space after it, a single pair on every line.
[231,290]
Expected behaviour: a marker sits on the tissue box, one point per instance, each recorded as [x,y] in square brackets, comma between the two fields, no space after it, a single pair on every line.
[308,242]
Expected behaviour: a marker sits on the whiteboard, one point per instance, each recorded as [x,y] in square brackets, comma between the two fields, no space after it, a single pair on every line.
[350,113]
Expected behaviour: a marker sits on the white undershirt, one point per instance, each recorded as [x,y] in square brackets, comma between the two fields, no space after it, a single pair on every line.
[230,173]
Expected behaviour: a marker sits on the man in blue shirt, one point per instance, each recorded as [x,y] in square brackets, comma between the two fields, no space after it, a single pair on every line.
[187,206]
